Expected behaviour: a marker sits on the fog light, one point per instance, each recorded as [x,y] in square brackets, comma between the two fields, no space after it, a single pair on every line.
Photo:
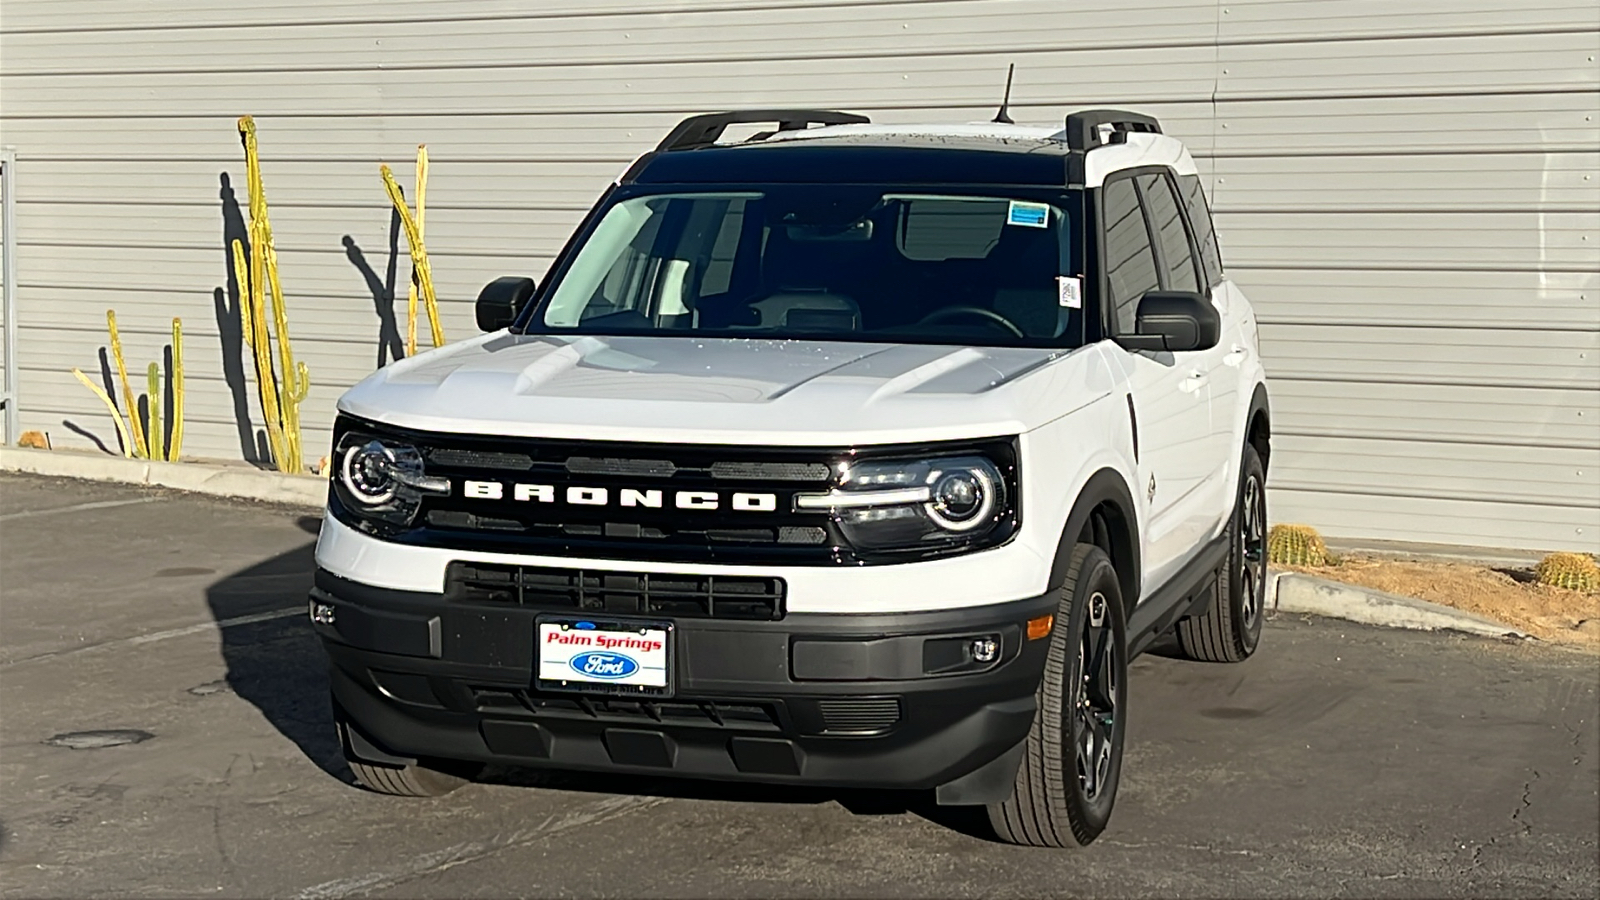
[321,613]
[985,649]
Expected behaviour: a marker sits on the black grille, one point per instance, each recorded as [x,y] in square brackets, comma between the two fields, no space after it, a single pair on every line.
[740,715]
[859,715]
[597,591]
[615,500]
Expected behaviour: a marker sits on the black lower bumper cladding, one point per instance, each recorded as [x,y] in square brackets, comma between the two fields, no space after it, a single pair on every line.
[881,700]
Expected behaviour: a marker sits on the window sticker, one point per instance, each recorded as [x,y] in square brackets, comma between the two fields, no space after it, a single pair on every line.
[1070,290]
[1033,215]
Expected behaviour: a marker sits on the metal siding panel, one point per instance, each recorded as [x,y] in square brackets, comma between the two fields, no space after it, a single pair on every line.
[1436,354]
[581,38]
[1520,526]
[1290,20]
[1491,415]
[1497,300]
[1560,241]
[1476,183]
[1552,476]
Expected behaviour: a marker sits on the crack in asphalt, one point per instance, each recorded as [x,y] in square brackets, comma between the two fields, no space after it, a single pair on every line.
[472,851]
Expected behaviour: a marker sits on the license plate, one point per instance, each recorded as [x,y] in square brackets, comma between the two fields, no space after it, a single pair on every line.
[604,655]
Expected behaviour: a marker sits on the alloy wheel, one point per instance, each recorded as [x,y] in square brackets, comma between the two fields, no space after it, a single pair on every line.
[1094,712]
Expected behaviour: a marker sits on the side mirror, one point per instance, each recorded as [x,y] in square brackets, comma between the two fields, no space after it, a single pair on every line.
[501,300]
[1174,321]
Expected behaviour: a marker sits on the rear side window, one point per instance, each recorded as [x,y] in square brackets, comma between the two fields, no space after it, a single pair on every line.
[1200,217]
[1130,263]
[1167,219]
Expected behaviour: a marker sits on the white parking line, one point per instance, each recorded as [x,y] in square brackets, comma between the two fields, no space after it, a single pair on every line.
[138,639]
[78,507]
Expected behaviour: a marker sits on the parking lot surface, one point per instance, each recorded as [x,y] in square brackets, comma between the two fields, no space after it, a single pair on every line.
[1340,760]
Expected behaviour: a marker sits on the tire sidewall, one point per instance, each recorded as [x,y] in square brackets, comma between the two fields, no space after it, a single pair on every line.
[1249,633]
[1097,574]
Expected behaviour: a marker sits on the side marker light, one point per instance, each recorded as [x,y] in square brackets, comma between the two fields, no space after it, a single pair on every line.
[1040,627]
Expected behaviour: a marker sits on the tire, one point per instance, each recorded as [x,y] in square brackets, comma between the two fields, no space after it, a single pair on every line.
[404,781]
[1057,800]
[415,780]
[1230,627]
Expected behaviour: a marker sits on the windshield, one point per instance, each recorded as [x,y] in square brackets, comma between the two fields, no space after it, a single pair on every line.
[839,262]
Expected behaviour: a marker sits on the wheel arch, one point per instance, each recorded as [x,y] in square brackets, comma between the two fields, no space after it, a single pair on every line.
[1258,425]
[1104,514]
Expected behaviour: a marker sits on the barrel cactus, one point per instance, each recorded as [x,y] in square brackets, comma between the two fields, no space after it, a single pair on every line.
[1296,545]
[1573,571]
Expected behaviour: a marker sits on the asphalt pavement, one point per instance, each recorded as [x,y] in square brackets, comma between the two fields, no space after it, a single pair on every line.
[1341,760]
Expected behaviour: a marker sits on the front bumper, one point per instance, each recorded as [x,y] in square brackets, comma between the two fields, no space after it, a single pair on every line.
[821,699]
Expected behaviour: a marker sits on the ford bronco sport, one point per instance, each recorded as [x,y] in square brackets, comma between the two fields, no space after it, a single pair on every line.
[844,455]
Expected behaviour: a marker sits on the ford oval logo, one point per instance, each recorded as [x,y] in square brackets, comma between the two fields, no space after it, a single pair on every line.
[600,664]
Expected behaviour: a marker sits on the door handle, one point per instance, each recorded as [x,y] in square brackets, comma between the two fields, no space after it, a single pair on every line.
[1193,383]
[1236,357]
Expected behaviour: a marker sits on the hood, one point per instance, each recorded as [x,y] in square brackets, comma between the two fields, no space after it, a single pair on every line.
[733,390]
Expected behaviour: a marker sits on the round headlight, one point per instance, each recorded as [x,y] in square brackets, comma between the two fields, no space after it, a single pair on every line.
[368,473]
[962,498]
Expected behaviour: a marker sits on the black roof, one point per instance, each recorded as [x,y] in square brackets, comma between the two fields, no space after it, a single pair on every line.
[871,158]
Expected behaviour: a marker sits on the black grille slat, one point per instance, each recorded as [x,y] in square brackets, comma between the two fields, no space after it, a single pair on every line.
[594,591]
[480,459]
[710,714]
[859,715]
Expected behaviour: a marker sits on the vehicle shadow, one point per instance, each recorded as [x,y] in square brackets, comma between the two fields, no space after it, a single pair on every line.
[277,665]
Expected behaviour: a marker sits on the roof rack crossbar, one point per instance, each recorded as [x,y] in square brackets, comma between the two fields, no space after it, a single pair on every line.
[1083,128]
[703,131]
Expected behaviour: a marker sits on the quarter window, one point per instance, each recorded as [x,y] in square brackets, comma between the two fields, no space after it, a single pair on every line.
[1200,218]
[1130,263]
[1167,218]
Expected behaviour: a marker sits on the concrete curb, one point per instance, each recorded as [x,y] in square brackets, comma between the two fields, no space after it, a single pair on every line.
[1291,592]
[200,478]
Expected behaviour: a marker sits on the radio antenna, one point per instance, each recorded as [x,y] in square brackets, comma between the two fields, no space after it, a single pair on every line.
[1002,117]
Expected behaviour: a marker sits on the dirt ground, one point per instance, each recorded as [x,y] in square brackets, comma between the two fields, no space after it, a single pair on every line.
[1505,594]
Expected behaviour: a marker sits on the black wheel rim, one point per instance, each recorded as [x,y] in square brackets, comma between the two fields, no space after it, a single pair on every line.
[1252,547]
[1094,710]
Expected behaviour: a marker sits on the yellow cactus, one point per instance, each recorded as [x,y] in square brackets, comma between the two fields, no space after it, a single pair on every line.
[1573,571]
[260,298]
[144,439]
[122,429]
[1296,545]
[153,435]
[422,273]
[139,448]
[177,390]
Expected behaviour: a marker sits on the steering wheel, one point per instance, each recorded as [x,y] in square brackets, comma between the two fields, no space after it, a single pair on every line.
[951,312]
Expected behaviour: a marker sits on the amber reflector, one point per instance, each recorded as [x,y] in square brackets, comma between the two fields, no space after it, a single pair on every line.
[1040,627]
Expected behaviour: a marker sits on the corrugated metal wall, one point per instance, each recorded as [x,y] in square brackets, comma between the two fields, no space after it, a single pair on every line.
[1410,192]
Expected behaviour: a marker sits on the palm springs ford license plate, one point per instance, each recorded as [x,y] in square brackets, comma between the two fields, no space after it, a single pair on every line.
[617,657]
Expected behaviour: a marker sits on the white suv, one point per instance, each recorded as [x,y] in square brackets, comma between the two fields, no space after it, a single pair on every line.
[844,455]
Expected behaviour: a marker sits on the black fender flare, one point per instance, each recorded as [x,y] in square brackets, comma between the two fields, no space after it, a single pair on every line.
[1104,486]
[1260,406]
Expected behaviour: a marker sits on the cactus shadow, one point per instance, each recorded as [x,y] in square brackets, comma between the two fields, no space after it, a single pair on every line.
[230,329]
[390,345]
[277,665]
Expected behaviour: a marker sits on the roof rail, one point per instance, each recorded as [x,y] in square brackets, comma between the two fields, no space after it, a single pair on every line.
[702,131]
[1083,128]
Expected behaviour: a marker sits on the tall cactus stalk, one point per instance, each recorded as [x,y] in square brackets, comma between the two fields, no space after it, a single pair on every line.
[283,383]
[111,407]
[422,276]
[153,396]
[177,390]
[411,286]
[140,449]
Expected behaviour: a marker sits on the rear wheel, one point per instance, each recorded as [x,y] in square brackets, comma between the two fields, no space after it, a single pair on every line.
[1072,761]
[1230,627]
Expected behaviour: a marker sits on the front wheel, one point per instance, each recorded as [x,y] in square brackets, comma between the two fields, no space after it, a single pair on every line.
[1067,782]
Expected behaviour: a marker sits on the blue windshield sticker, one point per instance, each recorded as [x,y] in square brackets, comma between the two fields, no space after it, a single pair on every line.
[1033,215]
